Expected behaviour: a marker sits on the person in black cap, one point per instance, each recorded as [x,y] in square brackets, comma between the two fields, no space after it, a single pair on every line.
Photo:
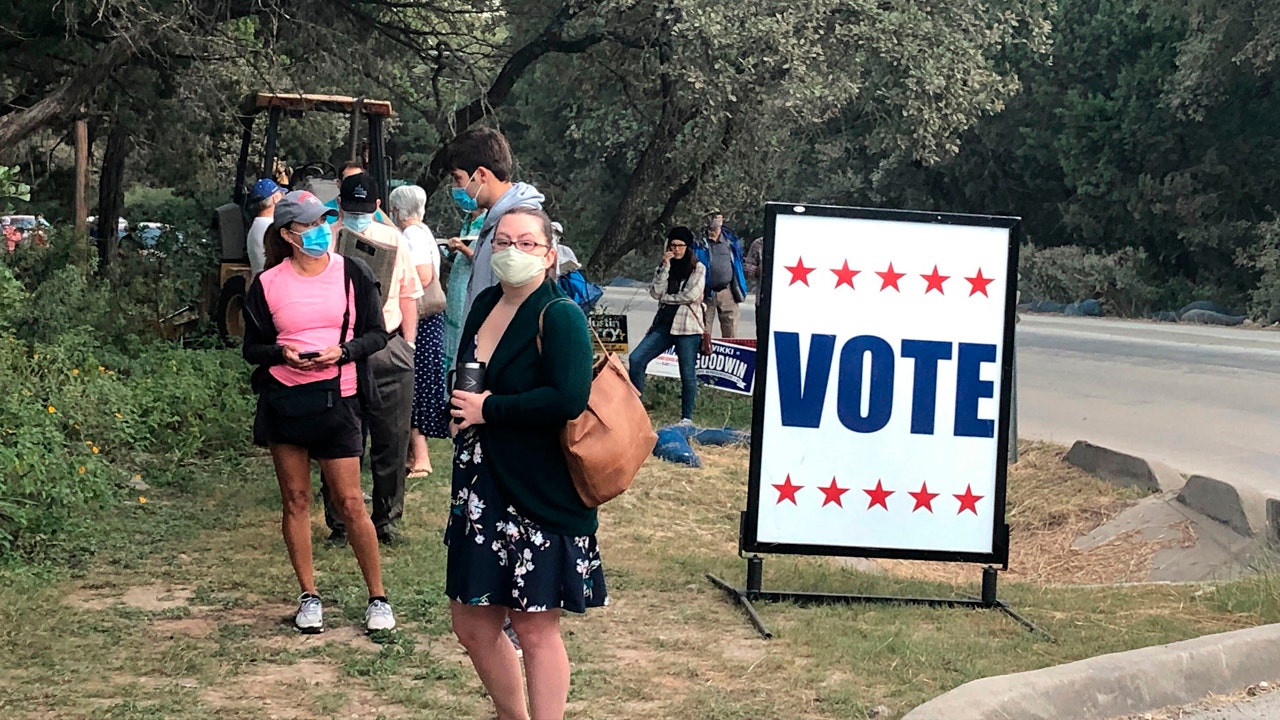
[312,320]
[392,367]
[678,286]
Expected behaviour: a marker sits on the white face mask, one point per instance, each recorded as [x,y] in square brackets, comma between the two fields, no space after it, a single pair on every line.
[517,268]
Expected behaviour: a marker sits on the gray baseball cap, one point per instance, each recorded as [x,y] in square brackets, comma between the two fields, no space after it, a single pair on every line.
[302,207]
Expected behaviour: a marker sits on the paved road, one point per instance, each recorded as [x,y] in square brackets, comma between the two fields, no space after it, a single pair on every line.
[1202,399]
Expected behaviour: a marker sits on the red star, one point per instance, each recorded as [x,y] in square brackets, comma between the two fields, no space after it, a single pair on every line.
[924,498]
[968,501]
[889,279]
[844,276]
[787,491]
[799,273]
[935,281]
[833,494]
[879,496]
[979,284]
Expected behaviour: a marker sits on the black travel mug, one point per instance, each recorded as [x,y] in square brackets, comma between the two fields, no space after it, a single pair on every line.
[468,377]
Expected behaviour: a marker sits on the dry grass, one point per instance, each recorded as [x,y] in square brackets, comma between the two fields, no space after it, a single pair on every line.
[1050,504]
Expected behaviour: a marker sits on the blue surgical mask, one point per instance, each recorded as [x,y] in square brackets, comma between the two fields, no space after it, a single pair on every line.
[358,222]
[315,241]
[464,200]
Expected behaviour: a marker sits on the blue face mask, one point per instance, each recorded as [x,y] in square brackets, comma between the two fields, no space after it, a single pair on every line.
[464,200]
[315,241]
[359,222]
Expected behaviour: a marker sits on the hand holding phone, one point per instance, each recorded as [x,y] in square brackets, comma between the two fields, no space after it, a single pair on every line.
[310,355]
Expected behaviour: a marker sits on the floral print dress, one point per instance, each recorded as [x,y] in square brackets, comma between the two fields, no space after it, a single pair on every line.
[499,557]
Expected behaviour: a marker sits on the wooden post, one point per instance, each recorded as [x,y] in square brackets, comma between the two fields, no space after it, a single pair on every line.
[82,176]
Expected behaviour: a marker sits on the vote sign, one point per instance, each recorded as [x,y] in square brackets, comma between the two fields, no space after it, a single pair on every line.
[882,389]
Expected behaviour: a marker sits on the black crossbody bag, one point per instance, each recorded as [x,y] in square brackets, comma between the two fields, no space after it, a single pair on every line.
[313,398]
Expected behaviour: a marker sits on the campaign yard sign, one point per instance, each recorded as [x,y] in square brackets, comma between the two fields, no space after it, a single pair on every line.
[882,389]
[612,331]
[731,366]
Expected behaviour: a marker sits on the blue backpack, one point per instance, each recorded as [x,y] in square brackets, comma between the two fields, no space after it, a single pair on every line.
[585,294]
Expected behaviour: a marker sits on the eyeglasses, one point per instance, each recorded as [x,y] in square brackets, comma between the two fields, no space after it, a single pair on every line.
[677,245]
[521,245]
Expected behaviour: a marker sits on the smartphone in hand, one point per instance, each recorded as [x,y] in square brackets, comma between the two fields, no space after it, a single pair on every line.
[311,355]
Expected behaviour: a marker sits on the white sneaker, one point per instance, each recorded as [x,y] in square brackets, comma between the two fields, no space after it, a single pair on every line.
[310,617]
[685,422]
[379,616]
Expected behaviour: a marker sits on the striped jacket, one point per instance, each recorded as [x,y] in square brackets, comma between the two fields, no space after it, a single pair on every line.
[690,314]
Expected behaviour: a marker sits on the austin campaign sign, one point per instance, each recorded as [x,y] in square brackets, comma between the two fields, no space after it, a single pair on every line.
[882,389]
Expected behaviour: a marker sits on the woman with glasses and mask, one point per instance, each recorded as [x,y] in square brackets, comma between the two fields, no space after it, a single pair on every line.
[521,542]
[311,319]
[677,285]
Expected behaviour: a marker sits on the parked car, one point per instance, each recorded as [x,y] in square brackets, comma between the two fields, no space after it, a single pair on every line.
[122,227]
[19,229]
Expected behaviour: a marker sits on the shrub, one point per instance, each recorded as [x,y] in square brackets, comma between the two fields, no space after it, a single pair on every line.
[1263,257]
[1121,281]
[92,395]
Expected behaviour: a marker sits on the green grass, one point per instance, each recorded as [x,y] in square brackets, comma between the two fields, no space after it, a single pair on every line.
[670,645]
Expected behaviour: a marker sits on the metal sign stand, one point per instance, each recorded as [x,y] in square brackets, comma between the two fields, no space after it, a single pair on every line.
[746,597]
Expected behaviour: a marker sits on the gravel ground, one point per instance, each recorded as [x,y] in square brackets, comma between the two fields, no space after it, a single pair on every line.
[1258,702]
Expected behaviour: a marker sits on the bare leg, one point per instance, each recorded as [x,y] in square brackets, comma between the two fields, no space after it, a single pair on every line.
[343,478]
[479,629]
[546,663]
[293,470]
[419,457]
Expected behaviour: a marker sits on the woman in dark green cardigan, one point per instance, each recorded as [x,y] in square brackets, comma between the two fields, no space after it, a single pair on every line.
[521,543]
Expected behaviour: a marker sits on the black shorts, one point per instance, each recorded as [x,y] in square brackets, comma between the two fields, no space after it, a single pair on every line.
[335,433]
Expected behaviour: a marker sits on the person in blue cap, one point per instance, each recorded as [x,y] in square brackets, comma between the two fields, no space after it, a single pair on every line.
[263,197]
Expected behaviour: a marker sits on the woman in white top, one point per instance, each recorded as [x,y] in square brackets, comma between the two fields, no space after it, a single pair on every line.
[430,414]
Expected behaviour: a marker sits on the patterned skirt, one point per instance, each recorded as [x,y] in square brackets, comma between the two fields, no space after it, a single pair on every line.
[498,557]
[430,398]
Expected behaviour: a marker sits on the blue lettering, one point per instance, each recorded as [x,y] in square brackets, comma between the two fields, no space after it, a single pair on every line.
[924,389]
[970,388]
[880,389]
[802,406]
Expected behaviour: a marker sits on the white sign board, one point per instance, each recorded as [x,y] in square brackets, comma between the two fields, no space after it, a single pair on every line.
[882,398]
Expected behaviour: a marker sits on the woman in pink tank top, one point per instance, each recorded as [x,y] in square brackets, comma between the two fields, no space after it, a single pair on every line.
[311,319]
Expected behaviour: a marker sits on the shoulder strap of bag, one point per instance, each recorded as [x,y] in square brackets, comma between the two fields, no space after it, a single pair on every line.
[346,303]
[594,334]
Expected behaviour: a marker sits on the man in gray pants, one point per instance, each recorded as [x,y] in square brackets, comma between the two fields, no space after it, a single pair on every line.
[391,367]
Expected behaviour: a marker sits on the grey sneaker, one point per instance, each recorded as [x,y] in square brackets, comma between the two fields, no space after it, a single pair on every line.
[379,616]
[310,617]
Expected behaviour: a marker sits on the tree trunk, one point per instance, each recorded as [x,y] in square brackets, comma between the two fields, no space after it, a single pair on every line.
[111,193]
[657,175]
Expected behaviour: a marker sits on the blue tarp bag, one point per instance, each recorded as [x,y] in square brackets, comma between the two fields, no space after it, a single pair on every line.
[585,294]
[674,447]
[721,436]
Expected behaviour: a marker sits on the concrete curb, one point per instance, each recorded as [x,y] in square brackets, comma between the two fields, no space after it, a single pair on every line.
[1240,508]
[1110,685]
[1123,469]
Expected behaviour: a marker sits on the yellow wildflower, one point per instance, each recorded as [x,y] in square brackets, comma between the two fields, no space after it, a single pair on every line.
[81,469]
[101,369]
[142,500]
[119,416]
[137,477]
[52,409]
[75,371]
[95,449]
